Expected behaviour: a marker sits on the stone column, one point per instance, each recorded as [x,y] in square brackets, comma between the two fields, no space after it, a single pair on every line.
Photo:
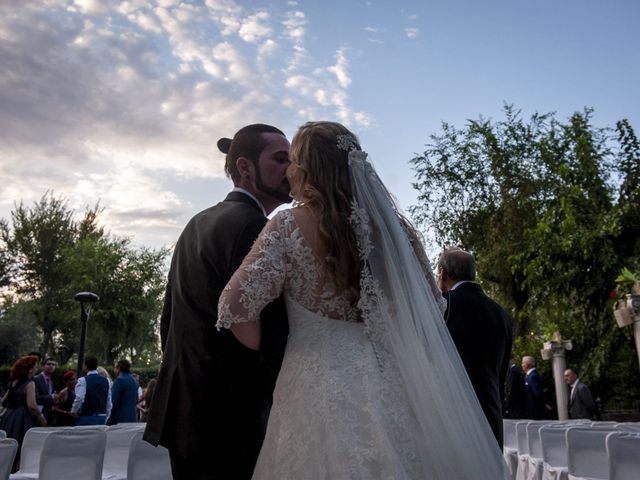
[554,351]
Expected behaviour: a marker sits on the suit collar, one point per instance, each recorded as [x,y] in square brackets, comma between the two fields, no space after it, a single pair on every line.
[238,196]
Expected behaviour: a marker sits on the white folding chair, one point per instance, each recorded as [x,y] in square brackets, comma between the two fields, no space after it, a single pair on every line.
[30,453]
[510,448]
[587,452]
[628,427]
[623,450]
[73,454]
[8,449]
[116,453]
[147,462]
[553,444]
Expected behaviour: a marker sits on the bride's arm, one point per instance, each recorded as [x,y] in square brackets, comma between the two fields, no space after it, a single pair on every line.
[256,283]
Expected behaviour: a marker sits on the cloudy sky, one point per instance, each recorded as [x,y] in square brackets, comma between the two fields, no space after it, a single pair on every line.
[123,101]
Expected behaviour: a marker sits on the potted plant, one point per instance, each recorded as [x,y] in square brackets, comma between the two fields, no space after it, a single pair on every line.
[626,296]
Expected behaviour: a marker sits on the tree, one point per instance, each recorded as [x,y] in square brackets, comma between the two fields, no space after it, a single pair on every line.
[52,256]
[550,209]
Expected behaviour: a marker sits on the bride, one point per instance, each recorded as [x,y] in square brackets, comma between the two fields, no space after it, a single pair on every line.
[371,386]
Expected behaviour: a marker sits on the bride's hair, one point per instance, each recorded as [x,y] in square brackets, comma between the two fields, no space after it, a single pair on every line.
[322,183]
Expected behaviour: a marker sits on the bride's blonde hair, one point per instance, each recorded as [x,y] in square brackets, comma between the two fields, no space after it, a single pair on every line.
[322,183]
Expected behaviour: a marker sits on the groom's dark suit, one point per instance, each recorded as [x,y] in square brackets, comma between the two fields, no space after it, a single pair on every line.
[481,330]
[212,391]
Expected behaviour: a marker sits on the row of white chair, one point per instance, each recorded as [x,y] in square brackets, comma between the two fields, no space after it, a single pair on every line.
[554,450]
[90,453]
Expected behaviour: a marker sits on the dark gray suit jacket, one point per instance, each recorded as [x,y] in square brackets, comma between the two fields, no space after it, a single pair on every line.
[43,397]
[481,330]
[581,404]
[212,391]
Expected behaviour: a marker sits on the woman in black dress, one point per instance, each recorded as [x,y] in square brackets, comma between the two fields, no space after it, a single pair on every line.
[22,412]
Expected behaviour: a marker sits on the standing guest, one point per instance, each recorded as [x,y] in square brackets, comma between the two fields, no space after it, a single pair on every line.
[580,403]
[124,395]
[46,396]
[104,374]
[481,331]
[145,401]
[534,396]
[136,377]
[66,397]
[213,394]
[92,404]
[22,411]
[514,393]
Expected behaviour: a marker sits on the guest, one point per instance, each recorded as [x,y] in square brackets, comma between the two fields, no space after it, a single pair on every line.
[580,403]
[481,331]
[104,374]
[124,395]
[46,396]
[534,396]
[145,402]
[514,393]
[136,377]
[22,411]
[66,397]
[92,404]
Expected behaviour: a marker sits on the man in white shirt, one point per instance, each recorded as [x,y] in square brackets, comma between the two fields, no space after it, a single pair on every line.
[92,405]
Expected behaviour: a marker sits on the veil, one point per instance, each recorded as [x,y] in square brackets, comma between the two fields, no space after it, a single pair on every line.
[437,425]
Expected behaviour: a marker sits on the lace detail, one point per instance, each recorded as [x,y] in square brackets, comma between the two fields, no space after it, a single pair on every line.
[347,142]
[281,260]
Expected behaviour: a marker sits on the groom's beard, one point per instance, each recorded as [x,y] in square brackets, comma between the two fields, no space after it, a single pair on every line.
[281,193]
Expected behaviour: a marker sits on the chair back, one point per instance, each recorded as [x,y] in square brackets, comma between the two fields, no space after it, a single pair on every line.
[587,452]
[510,437]
[147,462]
[8,449]
[533,439]
[521,437]
[73,454]
[553,444]
[116,455]
[628,427]
[623,450]
[32,448]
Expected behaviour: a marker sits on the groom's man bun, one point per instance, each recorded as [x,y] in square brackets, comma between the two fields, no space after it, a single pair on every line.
[248,142]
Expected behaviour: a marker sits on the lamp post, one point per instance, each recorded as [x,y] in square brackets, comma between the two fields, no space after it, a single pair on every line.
[86,299]
[554,351]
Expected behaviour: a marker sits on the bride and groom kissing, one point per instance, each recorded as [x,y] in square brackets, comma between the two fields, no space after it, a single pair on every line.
[311,345]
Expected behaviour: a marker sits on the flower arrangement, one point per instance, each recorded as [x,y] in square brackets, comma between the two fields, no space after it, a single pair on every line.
[626,296]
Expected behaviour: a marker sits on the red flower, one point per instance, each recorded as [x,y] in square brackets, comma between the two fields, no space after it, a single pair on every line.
[613,295]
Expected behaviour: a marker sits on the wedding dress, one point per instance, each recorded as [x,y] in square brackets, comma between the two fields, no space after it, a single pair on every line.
[372,391]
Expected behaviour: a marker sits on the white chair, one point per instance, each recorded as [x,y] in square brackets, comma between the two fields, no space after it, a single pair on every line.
[587,452]
[623,450]
[30,453]
[523,450]
[116,454]
[628,427]
[535,467]
[147,462]
[73,454]
[510,448]
[8,449]
[553,444]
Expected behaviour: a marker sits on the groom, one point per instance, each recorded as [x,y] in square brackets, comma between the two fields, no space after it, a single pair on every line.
[213,394]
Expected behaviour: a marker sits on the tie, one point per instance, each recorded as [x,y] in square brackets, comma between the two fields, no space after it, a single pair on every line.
[49,385]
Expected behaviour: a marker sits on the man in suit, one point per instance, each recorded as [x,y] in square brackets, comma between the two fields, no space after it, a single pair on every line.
[46,396]
[580,403]
[213,394]
[92,404]
[124,395]
[481,331]
[514,394]
[534,394]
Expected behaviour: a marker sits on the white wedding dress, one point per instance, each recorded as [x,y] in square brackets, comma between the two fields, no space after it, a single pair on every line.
[354,400]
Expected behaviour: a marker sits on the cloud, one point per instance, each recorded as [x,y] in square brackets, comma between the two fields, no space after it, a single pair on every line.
[340,69]
[371,29]
[413,17]
[412,32]
[254,27]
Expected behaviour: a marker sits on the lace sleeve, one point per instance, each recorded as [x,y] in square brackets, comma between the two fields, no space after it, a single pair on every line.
[258,280]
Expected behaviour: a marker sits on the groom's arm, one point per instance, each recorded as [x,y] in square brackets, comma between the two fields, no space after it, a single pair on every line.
[165,317]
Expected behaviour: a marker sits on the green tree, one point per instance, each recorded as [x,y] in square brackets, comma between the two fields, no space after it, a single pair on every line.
[550,209]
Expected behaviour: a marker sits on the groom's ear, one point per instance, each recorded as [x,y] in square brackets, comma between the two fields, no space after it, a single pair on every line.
[246,168]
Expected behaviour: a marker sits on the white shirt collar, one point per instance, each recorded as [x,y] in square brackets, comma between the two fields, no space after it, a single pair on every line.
[456,285]
[242,190]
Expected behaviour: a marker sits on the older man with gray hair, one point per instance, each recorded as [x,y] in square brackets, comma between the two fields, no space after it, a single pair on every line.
[481,331]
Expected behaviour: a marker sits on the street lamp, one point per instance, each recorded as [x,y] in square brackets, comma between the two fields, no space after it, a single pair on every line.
[86,299]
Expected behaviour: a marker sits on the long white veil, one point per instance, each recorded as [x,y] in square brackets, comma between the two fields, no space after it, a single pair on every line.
[434,417]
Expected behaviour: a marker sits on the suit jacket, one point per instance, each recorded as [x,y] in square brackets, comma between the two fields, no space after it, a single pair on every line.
[124,398]
[481,331]
[212,391]
[514,394]
[581,404]
[43,397]
[534,396]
